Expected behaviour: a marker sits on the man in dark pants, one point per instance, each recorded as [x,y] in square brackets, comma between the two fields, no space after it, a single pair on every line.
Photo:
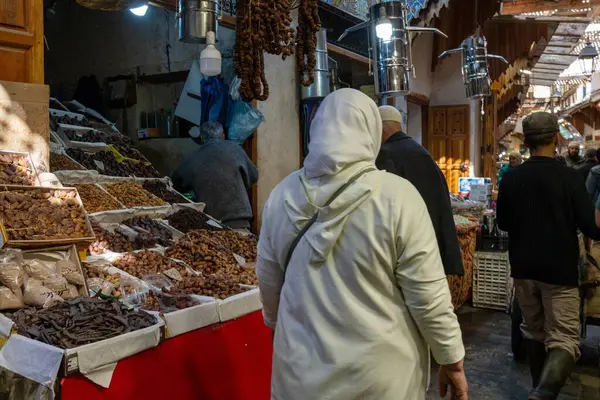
[541,204]
[402,156]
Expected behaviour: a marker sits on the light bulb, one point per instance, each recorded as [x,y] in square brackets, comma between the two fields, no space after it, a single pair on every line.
[383,29]
[139,11]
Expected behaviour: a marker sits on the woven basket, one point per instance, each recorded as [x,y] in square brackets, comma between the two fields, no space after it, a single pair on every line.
[461,287]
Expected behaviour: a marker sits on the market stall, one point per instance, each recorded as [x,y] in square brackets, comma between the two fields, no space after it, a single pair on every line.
[108,274]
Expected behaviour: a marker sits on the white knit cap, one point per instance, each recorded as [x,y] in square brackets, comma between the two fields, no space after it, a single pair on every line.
[390,114]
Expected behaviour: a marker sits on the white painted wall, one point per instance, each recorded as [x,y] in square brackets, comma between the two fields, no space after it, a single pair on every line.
[279,136]
[414,127]
[421,52]
[448,88]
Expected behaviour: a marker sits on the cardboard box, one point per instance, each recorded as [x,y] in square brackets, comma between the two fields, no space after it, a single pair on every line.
[480,197]
[485,188]
[241,304]
[149,133]
[192,318]
[5,241]
[24,122]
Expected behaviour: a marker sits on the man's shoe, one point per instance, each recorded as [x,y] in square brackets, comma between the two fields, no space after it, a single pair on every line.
[557,369]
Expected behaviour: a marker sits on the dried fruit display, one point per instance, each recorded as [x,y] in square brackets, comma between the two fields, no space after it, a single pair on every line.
[15,170]
[168,300]
[306,40]
[65,119]
[208,257]
[80,321]
[148,262]
[128,151]
[43,215]
[133,195]
[95,136]
[105,163]
[160,189]
[243,245]
[108,241]
[109,284]
[216,285]
[188,219]
[59,162]
[158,231]
[96,200]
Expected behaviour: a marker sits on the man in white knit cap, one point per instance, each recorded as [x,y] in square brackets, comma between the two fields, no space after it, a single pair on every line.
[402,156]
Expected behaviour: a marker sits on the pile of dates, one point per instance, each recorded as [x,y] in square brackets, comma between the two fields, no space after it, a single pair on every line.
[243,245]
[59,162]
[15,170]
[160,189]
[160,232]
[149,262]
[188,219]
[40,214]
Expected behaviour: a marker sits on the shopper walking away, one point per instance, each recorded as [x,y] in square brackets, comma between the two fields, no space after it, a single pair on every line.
[349,272]
[402,156]
[514,159]
[572,157]
[590,161]
[541,204]
[219,173]
[593,183]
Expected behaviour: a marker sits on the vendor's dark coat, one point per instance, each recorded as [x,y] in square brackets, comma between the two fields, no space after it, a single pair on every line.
[402,156]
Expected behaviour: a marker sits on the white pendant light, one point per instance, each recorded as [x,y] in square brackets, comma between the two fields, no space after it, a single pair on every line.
[383,29]
[139,11]
[210,57]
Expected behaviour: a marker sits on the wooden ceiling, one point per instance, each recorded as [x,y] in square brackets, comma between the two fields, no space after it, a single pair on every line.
[531,6]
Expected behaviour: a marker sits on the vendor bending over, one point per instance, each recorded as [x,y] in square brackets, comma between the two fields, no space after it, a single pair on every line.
[219,173]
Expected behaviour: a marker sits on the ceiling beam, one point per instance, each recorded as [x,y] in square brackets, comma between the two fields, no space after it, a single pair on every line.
[525,6]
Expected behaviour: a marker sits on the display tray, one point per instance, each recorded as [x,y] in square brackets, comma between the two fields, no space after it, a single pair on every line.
[6,241]
[92,357]
[30,166]
[192,318]
[241,304]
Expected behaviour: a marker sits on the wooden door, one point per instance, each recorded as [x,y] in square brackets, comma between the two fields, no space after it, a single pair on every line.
[448,140]
[22,41]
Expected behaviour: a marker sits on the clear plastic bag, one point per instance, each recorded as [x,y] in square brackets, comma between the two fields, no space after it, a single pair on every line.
[243,120]
[38,270]
[10,300]
[99,285]
[11,272]
[38,295]
[58,284]
[69,270]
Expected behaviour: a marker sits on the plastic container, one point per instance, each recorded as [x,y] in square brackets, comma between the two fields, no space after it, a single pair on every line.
[492,284]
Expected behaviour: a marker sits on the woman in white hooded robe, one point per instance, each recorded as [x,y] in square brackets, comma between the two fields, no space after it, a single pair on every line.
[363,296]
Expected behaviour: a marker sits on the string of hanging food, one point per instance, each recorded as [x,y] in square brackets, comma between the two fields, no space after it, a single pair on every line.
[265,26]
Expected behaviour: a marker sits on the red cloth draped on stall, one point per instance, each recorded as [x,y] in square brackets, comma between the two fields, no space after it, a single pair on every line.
[229,361]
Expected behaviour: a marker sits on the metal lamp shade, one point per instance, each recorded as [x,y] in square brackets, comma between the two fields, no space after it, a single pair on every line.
[391,57]
[197,18]
[475,70]
[588,58]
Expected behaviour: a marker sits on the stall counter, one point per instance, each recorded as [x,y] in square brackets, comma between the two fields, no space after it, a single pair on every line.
[231,360]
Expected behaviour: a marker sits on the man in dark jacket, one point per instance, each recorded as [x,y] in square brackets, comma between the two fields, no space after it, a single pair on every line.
[541,204]
[589,163]
[402,156]
[220,173]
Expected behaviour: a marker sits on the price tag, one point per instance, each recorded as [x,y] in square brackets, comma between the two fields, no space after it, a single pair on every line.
[240,260]
[173,274]
[100,165]
[214,224]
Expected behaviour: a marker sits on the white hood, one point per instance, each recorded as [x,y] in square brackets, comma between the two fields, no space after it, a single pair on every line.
[345,139]
[345,130]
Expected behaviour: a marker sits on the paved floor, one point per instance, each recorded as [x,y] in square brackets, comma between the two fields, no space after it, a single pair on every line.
[494,375]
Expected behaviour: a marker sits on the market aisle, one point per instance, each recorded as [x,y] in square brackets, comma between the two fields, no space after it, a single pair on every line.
[494,375]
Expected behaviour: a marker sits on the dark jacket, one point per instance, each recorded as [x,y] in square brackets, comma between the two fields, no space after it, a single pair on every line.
[220,173]
[541,204]
[584,169]
[404,157]
[593,183]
